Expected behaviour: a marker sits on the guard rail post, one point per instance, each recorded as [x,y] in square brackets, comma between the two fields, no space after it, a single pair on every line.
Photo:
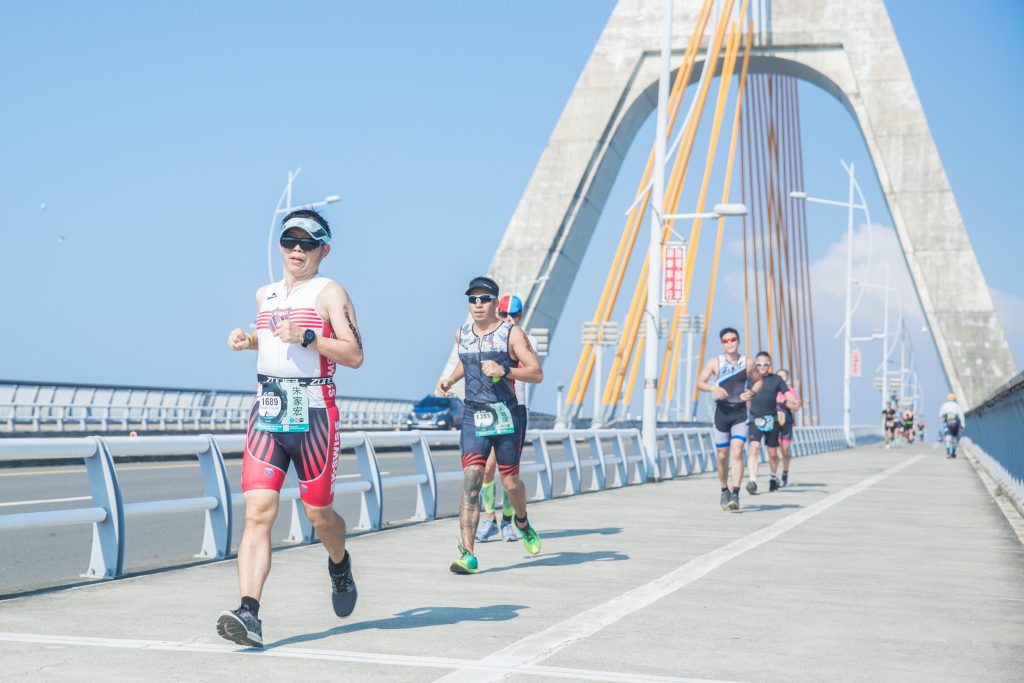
[371,512]
[672,464]
[640,472]
[426,493]
[600,475]
[300,530]
[217,526]
[694,459]
[648,469]
[107,559]
[621,465]
[572,479]
[708,450]
[544,476]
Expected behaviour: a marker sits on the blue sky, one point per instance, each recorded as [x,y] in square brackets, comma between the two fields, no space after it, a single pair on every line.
[159,137]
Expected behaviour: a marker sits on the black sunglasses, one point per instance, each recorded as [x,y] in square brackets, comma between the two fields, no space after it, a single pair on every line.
[481,298]
[305,243]
[503,314]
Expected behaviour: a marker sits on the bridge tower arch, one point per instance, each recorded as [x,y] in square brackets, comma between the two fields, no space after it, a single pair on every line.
[850,50]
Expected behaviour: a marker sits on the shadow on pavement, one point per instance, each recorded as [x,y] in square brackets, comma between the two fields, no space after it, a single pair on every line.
[564,559]
[419,617]
[761,508]
[566,533]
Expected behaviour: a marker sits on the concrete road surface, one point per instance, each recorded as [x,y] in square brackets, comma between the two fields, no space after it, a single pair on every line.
[872,565]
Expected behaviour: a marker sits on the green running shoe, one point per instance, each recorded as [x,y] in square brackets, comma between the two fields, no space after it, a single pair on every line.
[530,538]
[466,564]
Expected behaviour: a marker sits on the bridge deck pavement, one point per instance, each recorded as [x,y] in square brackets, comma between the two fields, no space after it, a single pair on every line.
[873,565]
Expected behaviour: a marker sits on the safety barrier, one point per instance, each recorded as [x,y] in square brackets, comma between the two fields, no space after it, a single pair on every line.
[692,450]
[993,429]
[27,407]
[612,457]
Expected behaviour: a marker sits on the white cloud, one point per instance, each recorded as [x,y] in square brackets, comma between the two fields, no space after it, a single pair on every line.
[874,248]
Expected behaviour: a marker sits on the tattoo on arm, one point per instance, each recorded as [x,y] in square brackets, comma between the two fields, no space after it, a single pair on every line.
[355,330]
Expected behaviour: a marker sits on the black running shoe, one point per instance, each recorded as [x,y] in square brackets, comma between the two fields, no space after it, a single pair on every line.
[725,499]
[343,593]
[773,485]
[785,478]
[752,487]
[734,501]
[240,626]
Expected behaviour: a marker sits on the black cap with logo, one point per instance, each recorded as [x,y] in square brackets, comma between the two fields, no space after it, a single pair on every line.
[483,283]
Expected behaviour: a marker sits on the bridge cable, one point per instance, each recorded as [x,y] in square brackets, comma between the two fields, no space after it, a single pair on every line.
[609,294]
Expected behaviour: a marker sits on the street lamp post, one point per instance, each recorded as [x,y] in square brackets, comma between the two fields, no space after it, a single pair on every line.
[600,334]
[286,197]
[696,326]
[886,348]
[650,417]
[850,206]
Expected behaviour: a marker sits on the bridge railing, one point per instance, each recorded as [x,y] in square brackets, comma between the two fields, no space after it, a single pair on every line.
[994,428]
[27,408]
[593,460]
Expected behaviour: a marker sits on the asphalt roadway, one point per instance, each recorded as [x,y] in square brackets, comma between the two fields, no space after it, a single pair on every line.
[874,565]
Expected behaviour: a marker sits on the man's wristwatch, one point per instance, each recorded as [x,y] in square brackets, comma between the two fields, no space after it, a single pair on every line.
[308,337]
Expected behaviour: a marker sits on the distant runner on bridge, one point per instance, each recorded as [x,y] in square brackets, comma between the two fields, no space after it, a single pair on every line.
[510,307]
[786,404]
[952,421]
[305,325]
[493,355]
[889,424]
[908,424]
[730,373]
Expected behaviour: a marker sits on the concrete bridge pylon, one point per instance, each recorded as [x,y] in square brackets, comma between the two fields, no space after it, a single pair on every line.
[850,50]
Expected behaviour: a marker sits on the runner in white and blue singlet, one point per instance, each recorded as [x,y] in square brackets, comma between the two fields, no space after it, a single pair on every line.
[726,377]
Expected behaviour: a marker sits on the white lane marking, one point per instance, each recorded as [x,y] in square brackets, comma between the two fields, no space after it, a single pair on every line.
[40,502]
[543,644]
[339,656]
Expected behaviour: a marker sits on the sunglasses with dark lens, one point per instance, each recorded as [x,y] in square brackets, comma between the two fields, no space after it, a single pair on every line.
[503,314]
[481,299]
[305,243]
[730,340]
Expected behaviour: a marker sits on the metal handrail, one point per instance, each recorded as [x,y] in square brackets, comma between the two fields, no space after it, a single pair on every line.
[614,457]
[65,416]
[993,435]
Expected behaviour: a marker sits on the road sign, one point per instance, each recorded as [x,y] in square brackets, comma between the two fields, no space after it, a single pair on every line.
[673,273]
[541,334]
[854,362]
[606,333]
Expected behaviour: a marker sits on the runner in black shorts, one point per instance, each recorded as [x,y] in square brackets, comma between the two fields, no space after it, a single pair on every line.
[510,307]
[889,424]
[726,377]
[493,354]
[764,420]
